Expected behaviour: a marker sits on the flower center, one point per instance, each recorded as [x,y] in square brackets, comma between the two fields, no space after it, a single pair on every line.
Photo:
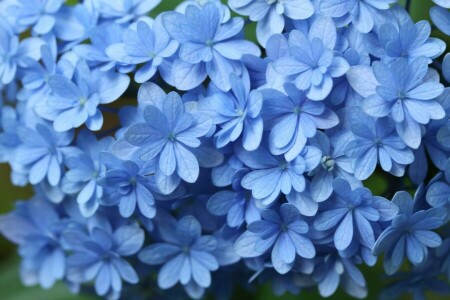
[328,163]
[209,43]
[171,137]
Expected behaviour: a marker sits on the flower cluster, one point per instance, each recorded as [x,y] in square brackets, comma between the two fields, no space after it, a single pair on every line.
[172,157]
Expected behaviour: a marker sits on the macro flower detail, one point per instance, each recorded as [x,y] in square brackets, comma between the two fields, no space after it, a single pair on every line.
[185,254]
[292,119]
[167,135]
[98,256]
[145,45]
[402,91]
[351,215]
[209,149]
[311,61]
[238,113]
[410,233]
[284,233]
[270,14]
[218,47]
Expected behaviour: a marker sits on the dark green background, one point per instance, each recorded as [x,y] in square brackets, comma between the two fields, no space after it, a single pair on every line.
[12,289]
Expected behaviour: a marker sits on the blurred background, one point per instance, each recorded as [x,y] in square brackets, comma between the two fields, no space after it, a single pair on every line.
[12,289]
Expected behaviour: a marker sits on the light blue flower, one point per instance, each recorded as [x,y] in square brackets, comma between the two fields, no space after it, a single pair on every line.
[410,233]
[440,17]
[352,214]
[42,152]
[144,45]
[128,184]
[401,90]
[270,14]
[238,113]
[123,11]
[40,14]
[363,14]
[292,118]
[408,40]
[312,61]
[272,175]
[216,47]
[284,232]
[36,227]
[13,52]
[168,134]
[74,103]
[98,255]
[373,141]
[186,255]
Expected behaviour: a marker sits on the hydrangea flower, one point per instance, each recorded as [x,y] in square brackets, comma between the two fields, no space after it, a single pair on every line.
[217,47]
[13,52]
[272,175]
[128,184]
[292,119]
[409,41]
[334,164]
[95,54]
[42,153]
[98,255]
[123,11]
[185,255]
[311,59]
[404,92]
[352,214]
[40,14]
[438,194]
[84,170]
[361,13]
[440,15]
[283,232]
[36,227]
[238,113]
[167,135]
[410,233]
[74,103]
[144,45]
[270,14]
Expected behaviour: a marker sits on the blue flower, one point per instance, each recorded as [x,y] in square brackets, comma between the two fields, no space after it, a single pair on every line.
[74,103]
[167,134]
[237,113]
[438,194]
[402,91]
[283,232]
[373,141]
[410,233]
[205,41]
[292,119]
[84,170]
[351,215]
[270,14]
[334,164]
[36,228]
[97,255]
[363,14]
[234,204]
[42,153]
[39,13]
[408,40]
[272,174]
[332,270]
[123,11]
[144,45]
[13,52]
[311,59]
[95,54]
[128,184]
[185,254]
[440,17]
